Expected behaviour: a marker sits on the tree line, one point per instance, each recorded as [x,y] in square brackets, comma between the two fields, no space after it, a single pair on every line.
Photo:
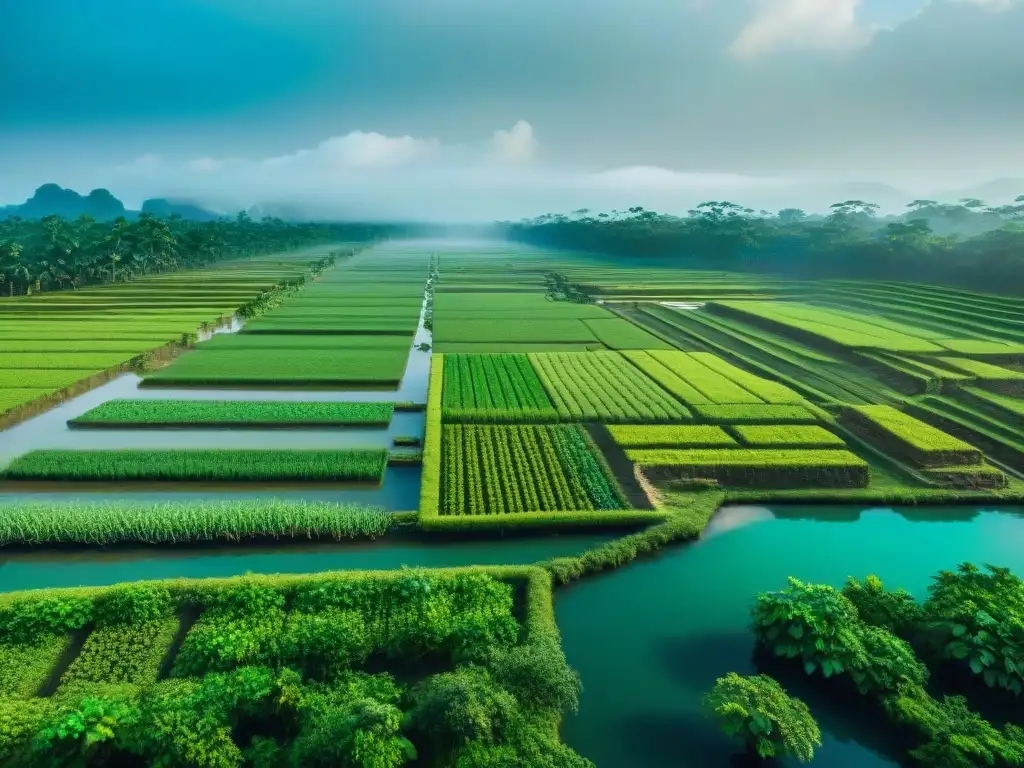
[967,244]
[54,253]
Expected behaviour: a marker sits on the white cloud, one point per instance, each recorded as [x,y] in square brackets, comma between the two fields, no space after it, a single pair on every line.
[359,149]
[369,175]
[992,5]
[515,145]
[205,164]
[828,25]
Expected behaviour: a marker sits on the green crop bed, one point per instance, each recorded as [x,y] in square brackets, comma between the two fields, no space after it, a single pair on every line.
[283,367]
[12,398]
[45,379]
[63,360]
[196,465]
[233,413]
[657,371]
[603,386]
[499,387]
[773,468]
[328,343]
[493,470]
[670,435]
[787,436]
[510,332]
[183,522]
[836,327]
[754,414]
[616,333]
[715,386]
[908,438]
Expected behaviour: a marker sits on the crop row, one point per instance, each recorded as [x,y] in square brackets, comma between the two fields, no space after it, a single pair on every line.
[834,326]
[103,523]
[195,465]
[234,413]
[670,435]
[787,436]
[500,387]
[603,386]
[506,469]
[772,468]
[905,437]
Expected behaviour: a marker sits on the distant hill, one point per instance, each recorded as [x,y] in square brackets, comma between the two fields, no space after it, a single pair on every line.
[100,204]
[159,206]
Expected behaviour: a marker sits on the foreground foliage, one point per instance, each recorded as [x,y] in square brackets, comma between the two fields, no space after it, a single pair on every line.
[269,674]
[863,634]
[764,717]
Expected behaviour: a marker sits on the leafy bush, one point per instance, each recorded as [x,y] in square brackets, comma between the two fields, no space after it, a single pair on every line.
[364,733]
[86,733]
[956,736]
[811,622]
[27,617]
[759,712]
[538,675]
[978,616]
[323,643]
[133,603]
[886,664]
[894,610]
[453,708]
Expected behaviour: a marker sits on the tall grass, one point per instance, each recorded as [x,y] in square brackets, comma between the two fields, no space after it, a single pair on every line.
[235,413]
[100,523]
[233,464]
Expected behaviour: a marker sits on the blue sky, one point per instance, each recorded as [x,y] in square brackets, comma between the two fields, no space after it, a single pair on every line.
[888,90]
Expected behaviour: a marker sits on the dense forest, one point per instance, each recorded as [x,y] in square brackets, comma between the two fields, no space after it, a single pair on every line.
[54,253]
[967,244]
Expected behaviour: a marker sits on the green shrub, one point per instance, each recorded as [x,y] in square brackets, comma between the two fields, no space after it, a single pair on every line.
[977,617]
[133,603]
[894,610]
[325,642]
[453,708]
[759,712]
[813,623]
[27,617]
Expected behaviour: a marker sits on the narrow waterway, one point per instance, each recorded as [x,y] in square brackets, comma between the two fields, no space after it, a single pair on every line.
[35,570]
[651,638]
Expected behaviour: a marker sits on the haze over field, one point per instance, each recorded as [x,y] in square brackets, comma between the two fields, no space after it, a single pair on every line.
[464,110]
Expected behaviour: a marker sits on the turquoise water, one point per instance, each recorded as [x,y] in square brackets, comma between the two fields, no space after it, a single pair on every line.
[97,567]
[651,638]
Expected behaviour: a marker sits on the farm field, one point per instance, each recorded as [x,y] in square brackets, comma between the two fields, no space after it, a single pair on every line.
[520,394]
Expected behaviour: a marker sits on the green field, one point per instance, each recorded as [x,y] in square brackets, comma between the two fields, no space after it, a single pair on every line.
[233,413]
[197,465]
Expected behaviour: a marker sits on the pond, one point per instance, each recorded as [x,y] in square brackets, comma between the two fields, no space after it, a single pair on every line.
[35,570]
[651,638]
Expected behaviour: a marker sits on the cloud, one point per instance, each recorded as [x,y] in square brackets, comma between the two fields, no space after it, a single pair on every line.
[359,149]
[829,25]
[366,175]
[515,145]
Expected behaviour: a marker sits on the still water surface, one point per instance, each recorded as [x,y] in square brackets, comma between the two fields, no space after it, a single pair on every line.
[34,570]
[651,638]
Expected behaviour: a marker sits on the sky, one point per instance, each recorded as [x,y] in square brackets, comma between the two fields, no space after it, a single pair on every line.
[479,109]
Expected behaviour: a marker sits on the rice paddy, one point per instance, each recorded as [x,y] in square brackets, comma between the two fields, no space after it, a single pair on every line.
[233,413]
